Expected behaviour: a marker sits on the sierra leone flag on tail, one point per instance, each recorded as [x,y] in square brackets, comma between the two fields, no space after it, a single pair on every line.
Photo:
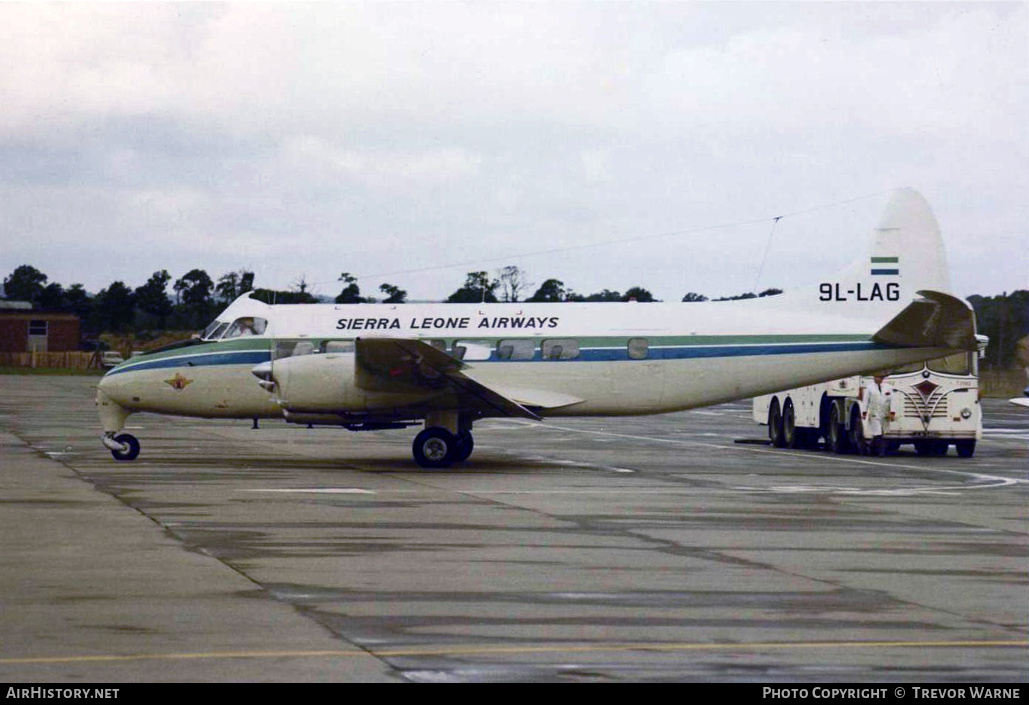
[885,266]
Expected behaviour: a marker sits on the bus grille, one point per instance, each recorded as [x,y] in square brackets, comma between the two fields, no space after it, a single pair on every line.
[933,407]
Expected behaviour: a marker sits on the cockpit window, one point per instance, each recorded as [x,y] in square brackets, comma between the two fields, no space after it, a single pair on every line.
[248,325]
[214,330]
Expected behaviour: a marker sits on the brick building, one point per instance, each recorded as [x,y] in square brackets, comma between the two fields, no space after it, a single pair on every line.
[25,330]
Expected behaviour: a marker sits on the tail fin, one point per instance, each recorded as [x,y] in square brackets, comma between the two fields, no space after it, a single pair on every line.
[907,246]
[906,255]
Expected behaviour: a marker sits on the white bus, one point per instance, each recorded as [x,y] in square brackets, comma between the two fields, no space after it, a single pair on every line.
[934,404]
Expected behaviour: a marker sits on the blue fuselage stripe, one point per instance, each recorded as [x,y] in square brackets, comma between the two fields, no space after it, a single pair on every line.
[703,351]
[600,354]
[236,357]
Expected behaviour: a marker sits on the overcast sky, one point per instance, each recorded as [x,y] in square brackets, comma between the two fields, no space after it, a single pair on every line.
[413,142]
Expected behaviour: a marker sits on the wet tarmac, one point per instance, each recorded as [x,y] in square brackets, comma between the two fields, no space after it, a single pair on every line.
[676,547]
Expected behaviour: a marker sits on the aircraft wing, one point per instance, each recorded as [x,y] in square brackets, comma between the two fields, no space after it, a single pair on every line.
[937,320]
[402,364]
[539,398]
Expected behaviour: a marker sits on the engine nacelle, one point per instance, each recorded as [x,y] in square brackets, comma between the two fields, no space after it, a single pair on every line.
[327,383]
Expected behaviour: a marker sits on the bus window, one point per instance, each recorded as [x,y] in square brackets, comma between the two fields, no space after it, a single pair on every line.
[909,368]
[956,364]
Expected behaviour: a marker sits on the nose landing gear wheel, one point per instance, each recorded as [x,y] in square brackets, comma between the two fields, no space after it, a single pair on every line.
[130,447]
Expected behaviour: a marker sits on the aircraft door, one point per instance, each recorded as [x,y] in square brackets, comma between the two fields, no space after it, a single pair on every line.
[636,379]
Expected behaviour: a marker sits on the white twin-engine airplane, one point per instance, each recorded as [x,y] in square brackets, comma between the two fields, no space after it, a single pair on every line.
[378,366]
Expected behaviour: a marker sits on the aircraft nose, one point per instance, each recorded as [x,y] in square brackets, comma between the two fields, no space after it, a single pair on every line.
[110,403]
[112,387]
[105,384]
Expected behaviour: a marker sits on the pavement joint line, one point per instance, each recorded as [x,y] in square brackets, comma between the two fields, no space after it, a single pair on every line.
[996,480]
[485,651]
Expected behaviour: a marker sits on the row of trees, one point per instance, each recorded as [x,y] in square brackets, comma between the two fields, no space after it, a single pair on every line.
[511,284]
[1005,319]
[119,307]
[197,298]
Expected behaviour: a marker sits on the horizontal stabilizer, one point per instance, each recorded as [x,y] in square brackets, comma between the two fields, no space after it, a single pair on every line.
[936,320]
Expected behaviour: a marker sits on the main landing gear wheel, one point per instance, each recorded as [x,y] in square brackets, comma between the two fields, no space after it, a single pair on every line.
[438,448]
[434,448]
[129,449]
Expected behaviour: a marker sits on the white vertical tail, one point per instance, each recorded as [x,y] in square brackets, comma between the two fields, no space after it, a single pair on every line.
[906,255]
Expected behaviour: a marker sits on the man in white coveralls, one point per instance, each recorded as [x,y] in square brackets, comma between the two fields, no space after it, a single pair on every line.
[879,397]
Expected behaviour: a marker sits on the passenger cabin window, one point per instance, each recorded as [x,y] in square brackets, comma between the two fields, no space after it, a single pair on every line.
[247,325]
[292,348]
[516,349]
[472,350]
[337,346]
[304,347]
[639,348]
[566,349]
